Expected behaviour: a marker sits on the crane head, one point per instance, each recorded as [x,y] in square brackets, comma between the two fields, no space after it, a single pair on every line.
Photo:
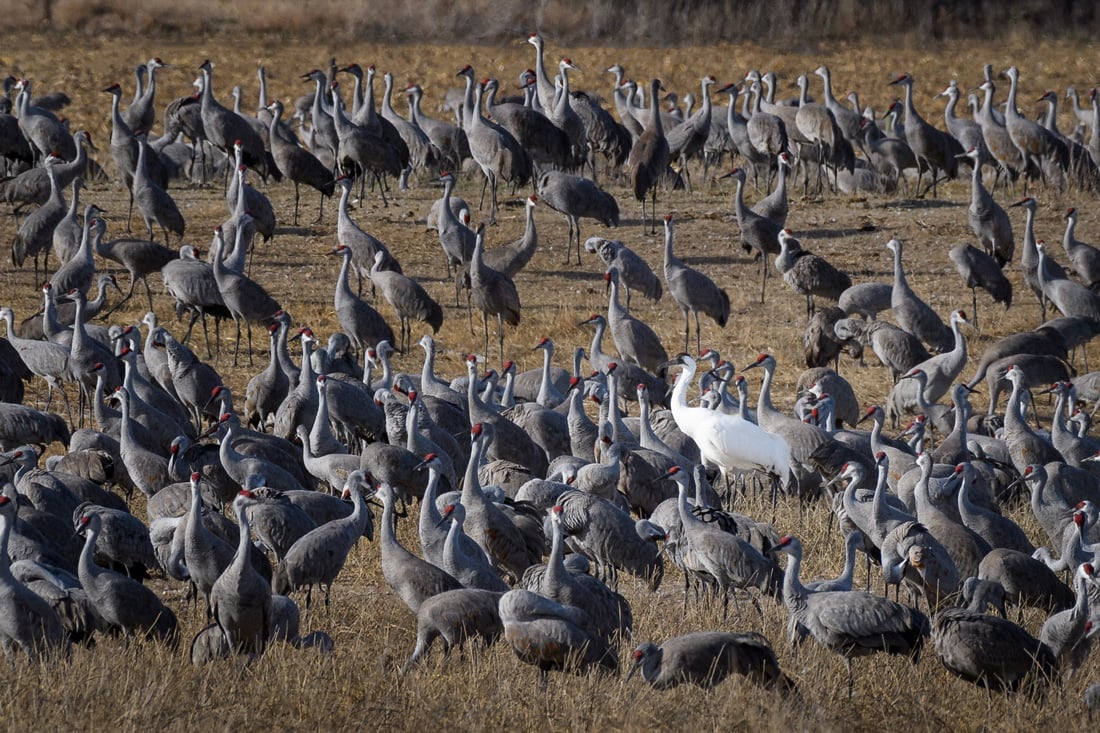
[904,79]
[114,88]
[543,343]
[1079,519]
[476,430]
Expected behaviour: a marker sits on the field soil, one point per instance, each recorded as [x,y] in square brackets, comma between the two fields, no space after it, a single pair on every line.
[129,686]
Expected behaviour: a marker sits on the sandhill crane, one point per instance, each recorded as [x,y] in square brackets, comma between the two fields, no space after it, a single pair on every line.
[245,298]
[422,153]
[318,556]
[767,133]
[687,139]
[33,186]
[550,635]
[35,234]
[545,142]
[140,258]
[223,128]
[635,341]
[472,569]
[725,559]
[775,205]
[807,273]
[649,157]
[989,651]
[693,291]
[935,151]
[413,579]
[577,197]
[497,153]
[191,283]
[509,259]
[153,202]
[635,274]
[502,540]
[757,233]
[79,271]
[362,323]
[448,138]
[123,540]
[1071,298]
[1064,632]
[28,622]
[409,300]
[43,358]
[455,616]
[240,598]
[1084,257]
[988,220]
[911,313]
[123,603]
[851,623]
[705,658]
[493,293]
[1034,142]
[978,269]
[298,164]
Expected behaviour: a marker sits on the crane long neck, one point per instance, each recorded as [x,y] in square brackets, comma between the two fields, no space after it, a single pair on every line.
[1069,241]
[849,571]
[878,503]
[342,285]
[967,508]
[429,513]
[595,351]
[471,484]
[655,109]
[86,563]
[6,522]
[793,590]
[1010,105]
[555,564]
[764,399]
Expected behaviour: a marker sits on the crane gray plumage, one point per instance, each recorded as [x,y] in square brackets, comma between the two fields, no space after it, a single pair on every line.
[979,270]
[123,539]
[472,569]
[122,602]
[807,273]
[692,290]
[191,283]
[496,152]
[851,623]
[35,234]
[153,202]
[635,274]
[1064,632]
[493,293]
[245,298]
[1084,257]
[318,556]
[550,635]
[577,197]
[448,138]
[240,598]
[414,580]
[706,658]
[759,234]
[362,323]
[935,151]
[1036,144]
[635,341]
[609,537]
[648,161]
[988,220]
[990,651]
[1069,297]
[409,300]
[423,155]
[33,186]
[456,616]
[298,164]
[509,259]
[223,127]
[27,622]
[687,139]
[911,313]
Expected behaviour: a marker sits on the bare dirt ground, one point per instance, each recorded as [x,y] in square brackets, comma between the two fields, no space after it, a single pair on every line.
[135,686]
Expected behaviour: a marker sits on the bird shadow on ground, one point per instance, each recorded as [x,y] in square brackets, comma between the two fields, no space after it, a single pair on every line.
[920,204]
[301,231]
[833,233]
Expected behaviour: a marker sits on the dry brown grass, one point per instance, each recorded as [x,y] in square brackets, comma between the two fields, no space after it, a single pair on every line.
[144,687]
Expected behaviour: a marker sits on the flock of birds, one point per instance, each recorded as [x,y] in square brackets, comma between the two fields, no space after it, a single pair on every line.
[530,509]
